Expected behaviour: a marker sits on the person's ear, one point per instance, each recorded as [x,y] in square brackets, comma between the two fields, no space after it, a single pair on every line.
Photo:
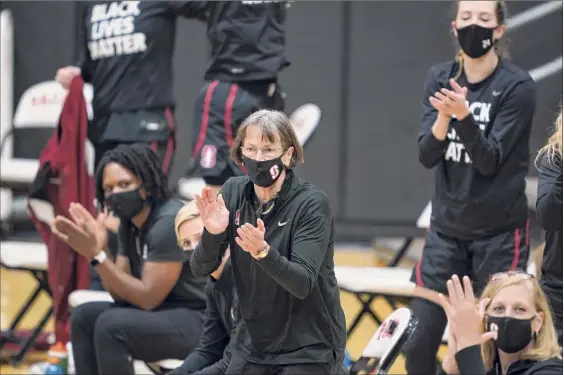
[453,29]
[287,157]
[498,32]
[538,322]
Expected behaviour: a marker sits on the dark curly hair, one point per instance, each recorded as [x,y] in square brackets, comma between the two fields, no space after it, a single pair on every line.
[144,163]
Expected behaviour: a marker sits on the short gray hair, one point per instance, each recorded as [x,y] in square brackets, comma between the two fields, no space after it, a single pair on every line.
[274,125]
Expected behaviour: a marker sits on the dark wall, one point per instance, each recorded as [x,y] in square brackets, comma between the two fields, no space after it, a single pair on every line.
[363,63]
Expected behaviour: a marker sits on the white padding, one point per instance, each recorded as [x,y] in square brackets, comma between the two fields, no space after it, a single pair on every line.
[304,120]
[388,334]
[424,220]
[30,255]
[18,171]
[189,187]
[169,364]
[391,281]
[79,297]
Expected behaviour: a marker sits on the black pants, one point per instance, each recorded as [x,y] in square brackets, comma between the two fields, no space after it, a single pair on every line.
[554,296]
[107,337]
[444,256]
[239,366]
[165,149]
[220,108]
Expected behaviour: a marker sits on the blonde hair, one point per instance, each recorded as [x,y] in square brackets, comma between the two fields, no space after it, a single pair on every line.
[553,148]
[188,212]
[501,15]
[545,345]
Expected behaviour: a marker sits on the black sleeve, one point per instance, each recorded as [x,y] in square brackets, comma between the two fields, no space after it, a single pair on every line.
[213,341]
[161,242]
[470,361]
[85,62]
[298,274]
[190,9]
[206,257]
[431,150]
[512,121]
[547,367]
[549,194]
[218,368]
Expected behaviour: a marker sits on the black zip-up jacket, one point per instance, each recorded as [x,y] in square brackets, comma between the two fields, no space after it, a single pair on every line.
[289,300]
[549,213]
[212,355]
[483,162]
[469,361]
[247,39]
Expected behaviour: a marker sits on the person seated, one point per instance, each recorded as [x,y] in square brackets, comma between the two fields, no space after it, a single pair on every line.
[159,303]
[510,332]
[212,354]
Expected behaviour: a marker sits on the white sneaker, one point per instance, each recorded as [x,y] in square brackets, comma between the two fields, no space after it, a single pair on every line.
[38,368]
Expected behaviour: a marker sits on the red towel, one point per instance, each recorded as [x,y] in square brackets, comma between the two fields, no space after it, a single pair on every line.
[62,179]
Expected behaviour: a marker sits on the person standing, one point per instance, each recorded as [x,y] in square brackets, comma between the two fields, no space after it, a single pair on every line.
[280,232]
[127,57]
[248,42]
[476,124]
[549,212]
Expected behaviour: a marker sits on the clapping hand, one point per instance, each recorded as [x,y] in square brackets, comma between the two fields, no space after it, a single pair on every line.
[465,317]
[251,239]
[451,102]
[213,212]
[83,233]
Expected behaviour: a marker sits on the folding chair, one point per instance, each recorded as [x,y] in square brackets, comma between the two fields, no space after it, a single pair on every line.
[386,344]
[35,119]
[79,297]
[304,120]
[32,258]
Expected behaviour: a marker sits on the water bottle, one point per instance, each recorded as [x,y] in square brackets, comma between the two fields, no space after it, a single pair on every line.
[59,354]
[54,368]
[348,361]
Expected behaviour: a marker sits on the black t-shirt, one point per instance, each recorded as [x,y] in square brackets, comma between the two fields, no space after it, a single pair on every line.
[156,242]
[483,162]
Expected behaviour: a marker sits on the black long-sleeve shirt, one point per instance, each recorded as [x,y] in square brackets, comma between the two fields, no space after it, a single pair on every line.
[247,40]
[469,361]
[549,213]
[289,300]
[212,355]
[483,162]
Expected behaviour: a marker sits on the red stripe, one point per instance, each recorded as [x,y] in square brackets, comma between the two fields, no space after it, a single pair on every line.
[154,146]
[171,141]
[228,114]
[517,245]
[205,118]
[418,278]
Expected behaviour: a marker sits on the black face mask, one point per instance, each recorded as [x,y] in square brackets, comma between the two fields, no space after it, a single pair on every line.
[475,40]
[126,204]
[264,173]
[513,335]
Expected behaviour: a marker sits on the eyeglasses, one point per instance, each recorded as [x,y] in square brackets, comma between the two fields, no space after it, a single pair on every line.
[267,152]
[521,275]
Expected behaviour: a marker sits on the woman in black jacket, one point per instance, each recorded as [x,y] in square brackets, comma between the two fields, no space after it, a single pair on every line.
[549,212]
[510,333]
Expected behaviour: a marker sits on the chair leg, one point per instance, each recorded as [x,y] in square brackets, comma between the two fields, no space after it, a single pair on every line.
[366,301]
[27,344]
[400,253]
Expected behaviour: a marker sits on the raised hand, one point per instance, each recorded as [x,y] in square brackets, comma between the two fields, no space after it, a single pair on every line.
[465,316]
[213,212]
[451,102]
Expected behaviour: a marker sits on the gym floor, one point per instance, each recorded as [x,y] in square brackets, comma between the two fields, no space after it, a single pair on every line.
[16,286]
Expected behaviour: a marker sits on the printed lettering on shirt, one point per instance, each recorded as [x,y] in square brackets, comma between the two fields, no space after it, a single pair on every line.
[455,150]
[112,31]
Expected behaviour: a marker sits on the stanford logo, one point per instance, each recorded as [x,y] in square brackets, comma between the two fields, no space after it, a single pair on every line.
[207,156]
[237,216]
[274,172]
[387,330]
